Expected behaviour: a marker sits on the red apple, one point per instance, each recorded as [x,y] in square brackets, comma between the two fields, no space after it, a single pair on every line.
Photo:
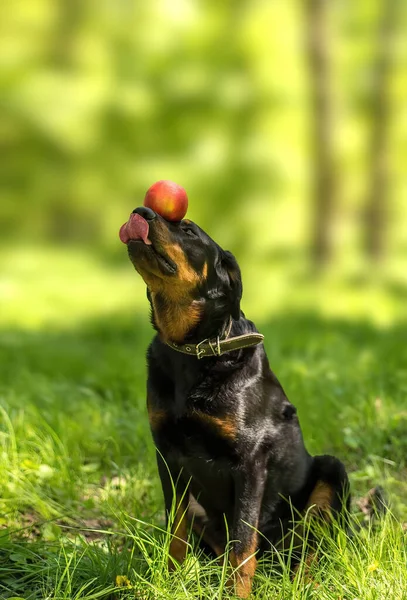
[168,199]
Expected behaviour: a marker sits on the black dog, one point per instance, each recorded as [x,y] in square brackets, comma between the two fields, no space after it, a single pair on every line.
[229,442]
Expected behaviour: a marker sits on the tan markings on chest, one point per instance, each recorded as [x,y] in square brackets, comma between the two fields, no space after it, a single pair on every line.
[225,426]
[156,418]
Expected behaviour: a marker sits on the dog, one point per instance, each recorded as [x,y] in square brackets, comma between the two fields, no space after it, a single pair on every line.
[230,452]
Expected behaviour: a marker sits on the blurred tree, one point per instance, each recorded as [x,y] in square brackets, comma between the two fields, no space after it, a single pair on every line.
[100,99]
[377,208]
[318,35]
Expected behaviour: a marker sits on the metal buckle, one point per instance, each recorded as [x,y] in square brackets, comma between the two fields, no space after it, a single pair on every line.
[214,348]
[200,351]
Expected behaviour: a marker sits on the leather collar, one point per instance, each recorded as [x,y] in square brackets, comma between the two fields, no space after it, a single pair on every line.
[217,346]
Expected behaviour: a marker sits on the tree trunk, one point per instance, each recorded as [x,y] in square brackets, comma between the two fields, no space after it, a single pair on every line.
[377,207]
[323,191]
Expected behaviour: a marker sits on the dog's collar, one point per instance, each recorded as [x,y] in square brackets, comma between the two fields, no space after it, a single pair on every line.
[217,346]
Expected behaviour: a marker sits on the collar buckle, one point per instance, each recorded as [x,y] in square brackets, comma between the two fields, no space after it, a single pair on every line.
[213,346]
[200,351]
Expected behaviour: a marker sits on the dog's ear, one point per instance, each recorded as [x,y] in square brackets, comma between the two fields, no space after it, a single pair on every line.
[235,291]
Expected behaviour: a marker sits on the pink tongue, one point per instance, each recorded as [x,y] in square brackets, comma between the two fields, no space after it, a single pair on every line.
[136,228]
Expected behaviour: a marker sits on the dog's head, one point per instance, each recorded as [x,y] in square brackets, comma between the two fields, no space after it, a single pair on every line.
[189,277]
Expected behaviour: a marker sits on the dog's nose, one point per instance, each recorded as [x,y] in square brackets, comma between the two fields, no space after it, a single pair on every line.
[145,212]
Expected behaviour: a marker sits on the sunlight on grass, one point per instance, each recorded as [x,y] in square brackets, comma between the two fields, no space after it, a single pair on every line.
[53,286]
[365,564]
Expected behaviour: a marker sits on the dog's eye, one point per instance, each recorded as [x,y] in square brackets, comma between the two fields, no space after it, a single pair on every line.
[190,232]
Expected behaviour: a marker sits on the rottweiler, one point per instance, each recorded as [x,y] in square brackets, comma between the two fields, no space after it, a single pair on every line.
[230,451]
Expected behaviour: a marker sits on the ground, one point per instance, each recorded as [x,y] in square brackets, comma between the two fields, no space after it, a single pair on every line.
[81,513]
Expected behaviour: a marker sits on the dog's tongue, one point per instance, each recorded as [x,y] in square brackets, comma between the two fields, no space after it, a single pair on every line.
[136,228]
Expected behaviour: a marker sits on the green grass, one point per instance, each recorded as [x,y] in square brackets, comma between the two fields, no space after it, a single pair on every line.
[80,503]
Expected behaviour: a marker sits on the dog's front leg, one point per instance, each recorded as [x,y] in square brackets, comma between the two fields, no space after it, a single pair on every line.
[250,480]
[176,497]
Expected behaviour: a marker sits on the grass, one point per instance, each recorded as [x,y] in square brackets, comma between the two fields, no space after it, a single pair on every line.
[81,513]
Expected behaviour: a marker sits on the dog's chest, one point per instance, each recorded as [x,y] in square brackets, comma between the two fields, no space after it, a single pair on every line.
[196,433]
[204,449]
